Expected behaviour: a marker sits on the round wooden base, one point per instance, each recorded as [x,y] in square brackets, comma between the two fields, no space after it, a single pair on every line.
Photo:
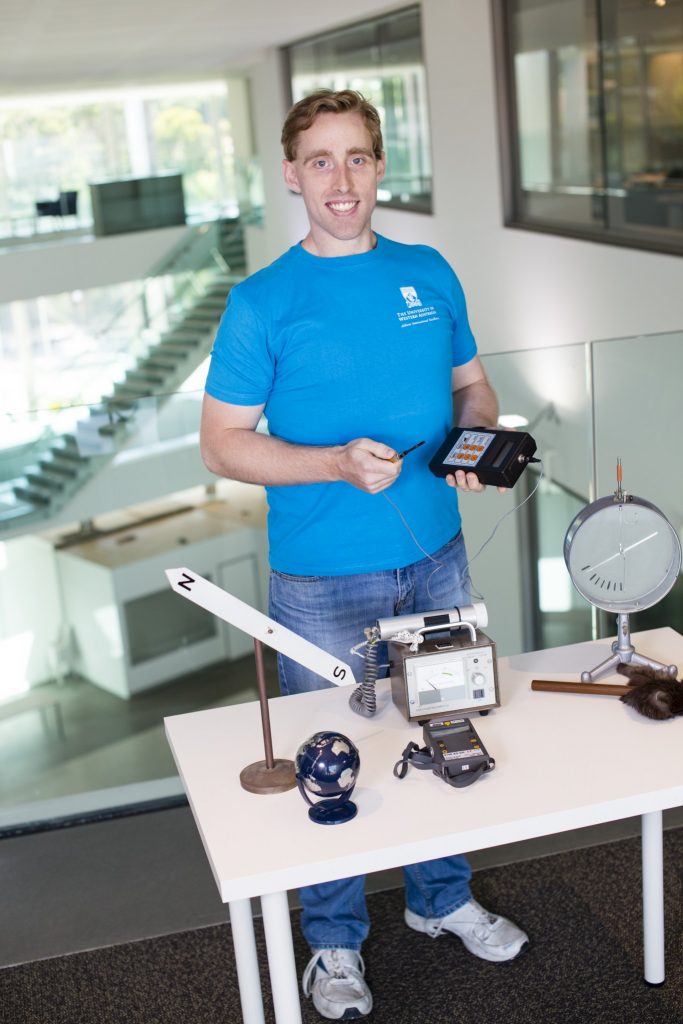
[259,778]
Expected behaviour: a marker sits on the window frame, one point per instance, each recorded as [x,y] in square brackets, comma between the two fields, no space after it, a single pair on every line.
[411,206]
[509,150]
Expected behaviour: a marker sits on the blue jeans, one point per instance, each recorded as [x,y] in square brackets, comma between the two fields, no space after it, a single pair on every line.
[332,612]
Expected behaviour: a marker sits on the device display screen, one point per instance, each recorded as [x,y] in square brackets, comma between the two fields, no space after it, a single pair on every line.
[439,681]
[450,731]
[502,454]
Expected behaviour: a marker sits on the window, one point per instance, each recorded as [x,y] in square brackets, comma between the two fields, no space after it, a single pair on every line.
[382,59]
[592,104]
[55,143]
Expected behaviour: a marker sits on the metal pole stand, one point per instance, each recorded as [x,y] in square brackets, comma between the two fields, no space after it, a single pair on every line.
[624,653]
[274,775]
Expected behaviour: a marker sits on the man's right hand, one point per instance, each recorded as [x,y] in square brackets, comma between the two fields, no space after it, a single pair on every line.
[367,465]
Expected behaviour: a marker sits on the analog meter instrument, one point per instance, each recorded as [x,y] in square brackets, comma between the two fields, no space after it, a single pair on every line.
[623,555]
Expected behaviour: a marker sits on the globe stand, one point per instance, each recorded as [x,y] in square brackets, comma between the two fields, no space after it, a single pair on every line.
[624,653]
[274,775]
[330,812]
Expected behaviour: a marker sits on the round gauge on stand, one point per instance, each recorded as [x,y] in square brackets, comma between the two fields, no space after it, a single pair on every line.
[623,555]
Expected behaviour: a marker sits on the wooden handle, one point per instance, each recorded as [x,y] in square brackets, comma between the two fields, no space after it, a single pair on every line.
[610,689]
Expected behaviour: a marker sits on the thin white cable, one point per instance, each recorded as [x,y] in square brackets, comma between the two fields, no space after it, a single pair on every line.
[439,565]
[508,513]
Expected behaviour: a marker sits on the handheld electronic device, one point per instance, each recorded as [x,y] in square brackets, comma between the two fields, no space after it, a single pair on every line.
[497,457]
[453,750]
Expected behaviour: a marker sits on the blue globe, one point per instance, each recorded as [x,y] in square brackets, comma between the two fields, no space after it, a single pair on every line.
[326,766]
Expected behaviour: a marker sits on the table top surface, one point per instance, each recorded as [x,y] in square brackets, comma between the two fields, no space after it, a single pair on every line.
[563,761]
[147,539]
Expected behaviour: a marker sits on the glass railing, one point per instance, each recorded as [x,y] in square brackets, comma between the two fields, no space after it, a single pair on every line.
[96,650]
[65,349]
[64,451]
[637,383]
[586,406]
[23,227]
[546,392]
[95,647]
[106,349]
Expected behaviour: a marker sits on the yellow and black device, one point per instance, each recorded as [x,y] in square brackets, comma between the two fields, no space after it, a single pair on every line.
[442,664]
[453,750]
[497,457]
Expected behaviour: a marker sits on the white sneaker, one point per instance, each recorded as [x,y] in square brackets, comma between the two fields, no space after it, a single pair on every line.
[334,978]
[486,935]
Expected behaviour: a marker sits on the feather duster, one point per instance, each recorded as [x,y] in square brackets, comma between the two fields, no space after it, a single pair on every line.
[654,693]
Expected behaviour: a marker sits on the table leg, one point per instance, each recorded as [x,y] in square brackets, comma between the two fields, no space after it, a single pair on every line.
[653,897]
[246,961]
[283,977]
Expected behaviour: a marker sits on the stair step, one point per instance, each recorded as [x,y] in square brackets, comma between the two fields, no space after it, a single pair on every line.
[220,281]
[203,317]
[181,337]
[44,482]
[196,316]
[119,408]
[68,453]
[131,392]
[207,311]
[111,429]
[165,365]
[59,469]
[31,496]
[120,405]
[144,376]
[202,323]
[180,346]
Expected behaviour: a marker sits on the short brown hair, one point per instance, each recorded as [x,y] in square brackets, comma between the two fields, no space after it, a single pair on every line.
[326,101]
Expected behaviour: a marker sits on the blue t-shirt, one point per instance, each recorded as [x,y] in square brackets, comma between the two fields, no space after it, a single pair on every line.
[340,348]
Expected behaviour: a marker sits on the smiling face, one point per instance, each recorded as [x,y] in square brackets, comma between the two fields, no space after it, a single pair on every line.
[337,174]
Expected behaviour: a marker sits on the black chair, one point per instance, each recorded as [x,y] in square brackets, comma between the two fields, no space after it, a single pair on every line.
[65,206]
[48,208]
[68,203]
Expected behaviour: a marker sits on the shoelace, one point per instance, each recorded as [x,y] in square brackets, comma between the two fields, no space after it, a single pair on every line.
[338,968]
[481,918]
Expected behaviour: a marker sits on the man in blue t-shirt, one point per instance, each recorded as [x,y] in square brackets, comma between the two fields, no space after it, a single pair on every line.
[355,348]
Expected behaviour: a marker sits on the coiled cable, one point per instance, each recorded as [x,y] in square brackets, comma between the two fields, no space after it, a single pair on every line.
[363,700]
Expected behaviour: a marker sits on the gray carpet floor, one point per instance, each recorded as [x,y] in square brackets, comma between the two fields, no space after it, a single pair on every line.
[581,909]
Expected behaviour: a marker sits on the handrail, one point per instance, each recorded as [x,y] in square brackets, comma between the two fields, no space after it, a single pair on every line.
[162,268]
[199,252]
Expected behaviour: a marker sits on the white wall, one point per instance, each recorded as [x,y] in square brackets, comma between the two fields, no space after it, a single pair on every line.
[29,593]
[82,262]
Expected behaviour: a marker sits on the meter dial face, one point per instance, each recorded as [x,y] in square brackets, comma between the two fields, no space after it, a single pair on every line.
[438,682]
[622,557]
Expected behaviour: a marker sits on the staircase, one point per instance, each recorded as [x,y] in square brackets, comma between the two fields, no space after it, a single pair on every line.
[208,267]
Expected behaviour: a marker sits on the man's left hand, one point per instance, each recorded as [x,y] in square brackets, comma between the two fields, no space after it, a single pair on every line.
[465,481]
[468,482]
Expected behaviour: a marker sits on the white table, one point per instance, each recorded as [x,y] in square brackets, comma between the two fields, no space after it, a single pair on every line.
[563,761]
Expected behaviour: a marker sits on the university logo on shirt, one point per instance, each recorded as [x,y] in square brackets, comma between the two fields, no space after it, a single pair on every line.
[411,297]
